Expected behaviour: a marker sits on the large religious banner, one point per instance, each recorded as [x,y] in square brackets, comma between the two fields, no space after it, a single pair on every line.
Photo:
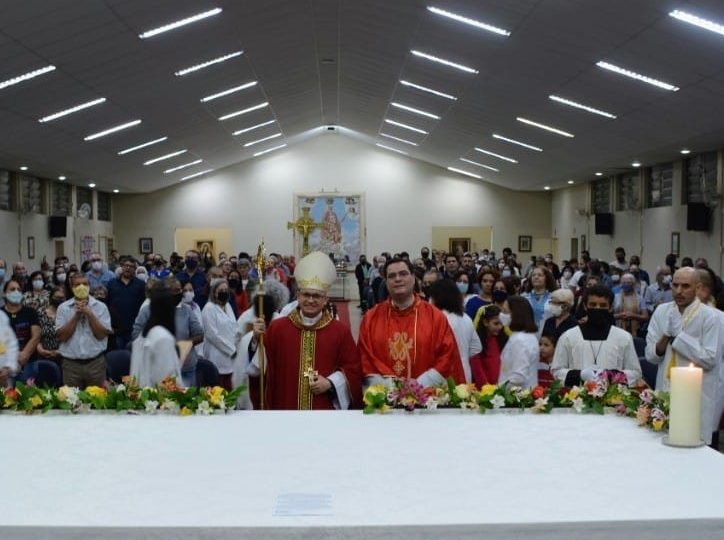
[340,223]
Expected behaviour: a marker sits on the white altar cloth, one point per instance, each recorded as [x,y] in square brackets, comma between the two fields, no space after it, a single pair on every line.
[457,475]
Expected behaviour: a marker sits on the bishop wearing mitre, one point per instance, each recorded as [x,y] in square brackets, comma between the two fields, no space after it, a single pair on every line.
[311,358]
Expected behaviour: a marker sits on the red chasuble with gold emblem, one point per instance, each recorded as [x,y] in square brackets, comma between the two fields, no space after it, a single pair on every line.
[294,352]
[408,342]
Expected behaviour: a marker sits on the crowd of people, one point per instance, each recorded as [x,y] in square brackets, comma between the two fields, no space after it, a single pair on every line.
[473,317]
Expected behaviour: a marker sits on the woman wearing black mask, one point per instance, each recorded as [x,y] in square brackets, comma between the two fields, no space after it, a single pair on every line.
[48,347]
[220,331]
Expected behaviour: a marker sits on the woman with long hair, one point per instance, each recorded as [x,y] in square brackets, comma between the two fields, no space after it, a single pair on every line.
[491,332]
[519,359]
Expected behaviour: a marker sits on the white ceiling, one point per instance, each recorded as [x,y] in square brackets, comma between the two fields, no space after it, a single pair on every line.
[553,49]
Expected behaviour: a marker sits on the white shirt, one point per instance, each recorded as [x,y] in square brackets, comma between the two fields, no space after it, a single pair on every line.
[154,357]
[8,345]
[616,352]
[519,360]
[697,343]
[83,344]
[466,338]
[219,336]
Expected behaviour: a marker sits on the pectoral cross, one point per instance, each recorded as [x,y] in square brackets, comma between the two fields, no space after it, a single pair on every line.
[311,374]
[304,226]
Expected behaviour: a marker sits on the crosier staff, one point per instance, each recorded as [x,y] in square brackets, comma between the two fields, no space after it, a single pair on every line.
[260,305]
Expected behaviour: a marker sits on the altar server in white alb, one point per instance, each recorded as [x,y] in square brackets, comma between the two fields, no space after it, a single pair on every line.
[596,345]
[687,331]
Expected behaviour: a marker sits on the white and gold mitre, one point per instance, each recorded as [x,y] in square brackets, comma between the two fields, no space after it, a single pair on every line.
[315,271]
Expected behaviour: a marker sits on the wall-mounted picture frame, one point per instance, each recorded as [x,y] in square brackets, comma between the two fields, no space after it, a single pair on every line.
[525,244]
[676,243]
[31,247]
[145,245]
[458,245]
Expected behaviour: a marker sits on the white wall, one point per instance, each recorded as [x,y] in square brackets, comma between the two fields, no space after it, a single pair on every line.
[647,233]
[404,199]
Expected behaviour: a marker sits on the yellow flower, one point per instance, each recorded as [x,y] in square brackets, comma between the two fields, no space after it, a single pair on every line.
[572,394]
[186,412]
[488,390]
[96,391]
[216,396]
[374,390]
[657,424]
[36,401]
[462,391]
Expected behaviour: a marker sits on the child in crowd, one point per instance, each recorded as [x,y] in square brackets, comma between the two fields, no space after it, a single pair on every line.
[547,347]
[485,366]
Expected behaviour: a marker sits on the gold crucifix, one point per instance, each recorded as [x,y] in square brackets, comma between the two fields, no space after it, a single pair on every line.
[304,226]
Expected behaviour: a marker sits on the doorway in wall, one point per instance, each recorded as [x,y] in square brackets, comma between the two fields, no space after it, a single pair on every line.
[574,248]
[59,248]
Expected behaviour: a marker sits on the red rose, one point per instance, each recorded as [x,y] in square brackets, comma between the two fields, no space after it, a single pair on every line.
[538,392]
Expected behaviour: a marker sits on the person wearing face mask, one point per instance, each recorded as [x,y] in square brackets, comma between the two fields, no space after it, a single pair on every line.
[629,307]
[195,274]
[8,352]
[557,313]
[49,344]
[158,268]
[125,296]
[220,331]
[97,275]
[428,279]
[566,280]
[83,324]
[425,254]
[448,298]
[462,282]
[660,292]
[37,297]
[583,352]
[519,357]
[24,322]
[641,275]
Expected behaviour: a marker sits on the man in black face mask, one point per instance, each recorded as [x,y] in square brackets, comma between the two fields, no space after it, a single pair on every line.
[584,352]
[425,254]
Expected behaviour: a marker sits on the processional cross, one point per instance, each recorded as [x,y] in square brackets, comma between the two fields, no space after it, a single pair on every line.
[304,226]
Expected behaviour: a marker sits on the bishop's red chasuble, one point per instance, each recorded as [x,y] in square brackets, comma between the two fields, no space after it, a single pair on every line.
[294,351]
[408,342]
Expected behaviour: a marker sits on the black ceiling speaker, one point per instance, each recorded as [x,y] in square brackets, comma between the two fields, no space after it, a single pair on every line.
[698,217]
[604,224]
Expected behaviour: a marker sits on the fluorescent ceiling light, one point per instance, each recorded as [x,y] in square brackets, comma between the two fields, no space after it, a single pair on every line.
[269,150]
[466,173]
[495,155]
[252,143]
[244,111]
[636,163]
[513,141]
[208,63]
[581,106]
[391,149]
[178,24]
[543,126]
[196,174]
[405,126]
[398,139]
[246,130]
[570,182]
[444,62]
[428,90]
[112,130]
[166,156]
[414,110]
[26,76]
[72,110]
[479,164]
[599,174]
[91,185]
[471,22]
[23,168]
[637,76]
[61,178]
[698,21]
[144,145]
[229,91]
[116,191]
[185,165]
[547,188]
[686,151]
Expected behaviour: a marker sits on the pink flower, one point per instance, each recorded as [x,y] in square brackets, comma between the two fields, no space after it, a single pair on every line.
[30,382]
[646,396]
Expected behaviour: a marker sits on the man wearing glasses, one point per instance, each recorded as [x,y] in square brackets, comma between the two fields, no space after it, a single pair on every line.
[407,337]
[311,358]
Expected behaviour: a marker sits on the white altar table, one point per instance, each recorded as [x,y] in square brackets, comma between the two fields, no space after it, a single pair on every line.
[396,476]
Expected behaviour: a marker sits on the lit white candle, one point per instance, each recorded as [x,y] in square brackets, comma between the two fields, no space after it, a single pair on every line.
[685,407]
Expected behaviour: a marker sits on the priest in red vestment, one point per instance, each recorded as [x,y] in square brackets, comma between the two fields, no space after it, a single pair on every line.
[311,358]
[406,336]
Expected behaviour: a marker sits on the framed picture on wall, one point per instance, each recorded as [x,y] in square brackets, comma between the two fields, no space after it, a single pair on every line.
[525,244]
[31,247]
[458,245]
[675,243]
[145,245]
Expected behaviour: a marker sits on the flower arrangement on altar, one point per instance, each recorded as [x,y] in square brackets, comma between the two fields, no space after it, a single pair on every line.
[167,397]
[608,391]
